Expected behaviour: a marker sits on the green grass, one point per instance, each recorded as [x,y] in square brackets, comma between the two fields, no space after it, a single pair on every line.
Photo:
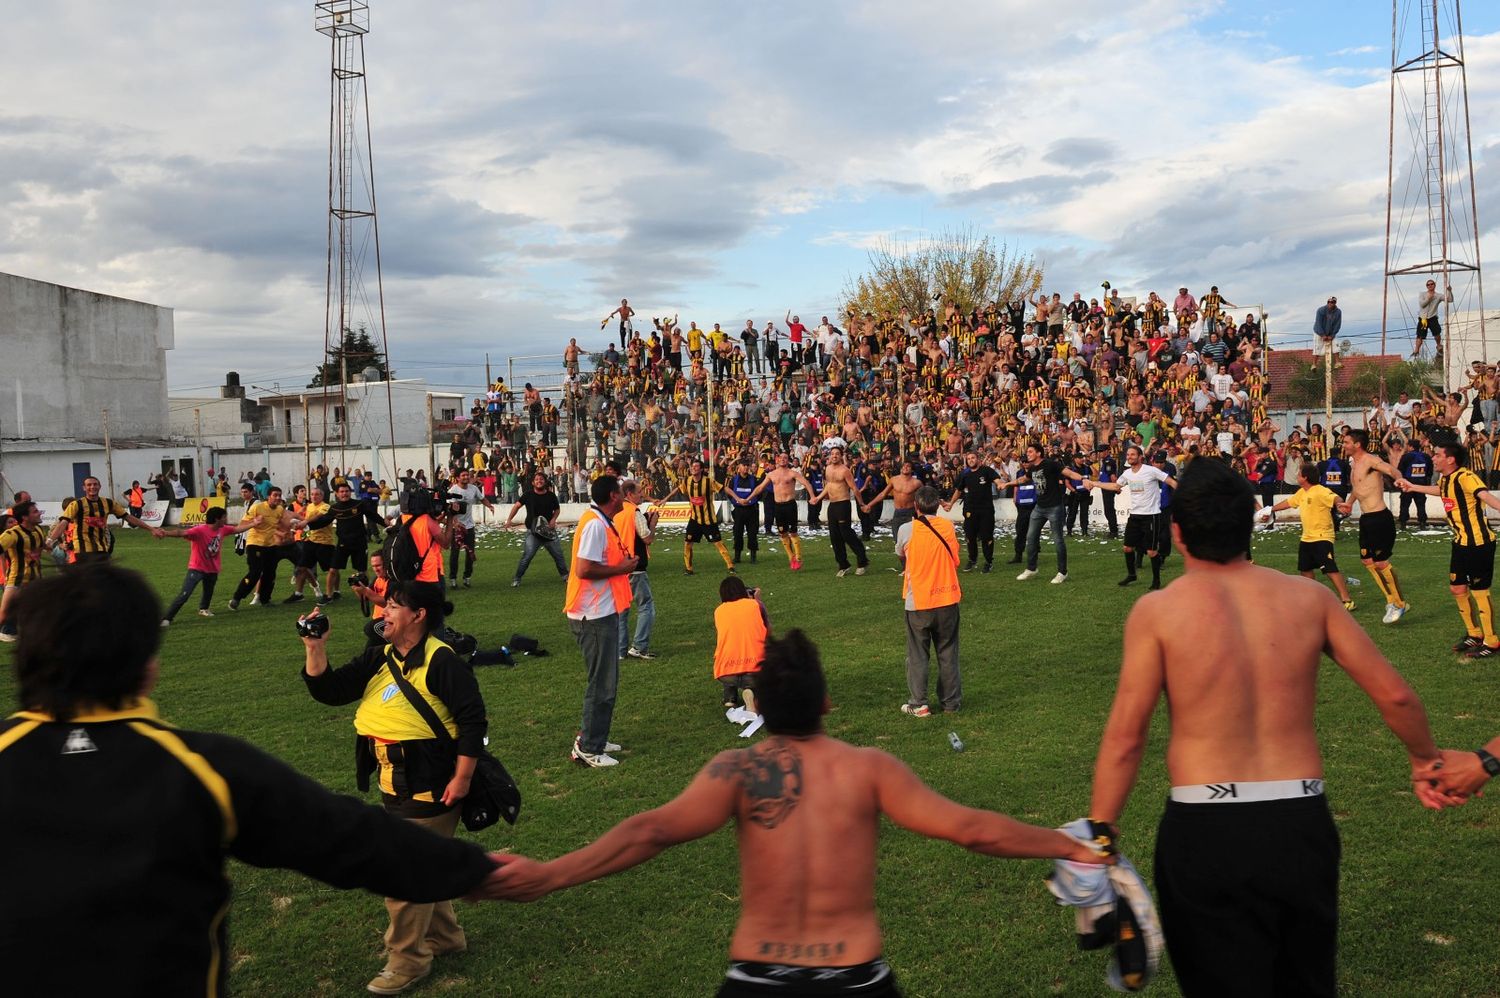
[1039,664]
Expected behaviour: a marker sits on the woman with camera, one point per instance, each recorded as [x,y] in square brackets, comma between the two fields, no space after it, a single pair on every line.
[421,777]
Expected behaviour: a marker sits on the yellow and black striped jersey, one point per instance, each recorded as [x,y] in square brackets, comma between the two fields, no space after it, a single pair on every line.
[700,494]
[91,518]
[23,547]
[1460,492]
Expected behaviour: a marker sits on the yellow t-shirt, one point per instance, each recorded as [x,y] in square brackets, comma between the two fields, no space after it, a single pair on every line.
[1316,505]
[695,339]
[322,535]
[265,534]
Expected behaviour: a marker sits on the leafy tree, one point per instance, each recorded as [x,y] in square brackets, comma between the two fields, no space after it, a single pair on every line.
[357,352]
[1304,388]
[958,265]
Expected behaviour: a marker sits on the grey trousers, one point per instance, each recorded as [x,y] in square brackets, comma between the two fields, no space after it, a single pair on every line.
[938,627]
[599,640]
[644,606]
[532,545]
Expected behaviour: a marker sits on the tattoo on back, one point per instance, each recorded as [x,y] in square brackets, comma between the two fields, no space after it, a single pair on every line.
[771,776]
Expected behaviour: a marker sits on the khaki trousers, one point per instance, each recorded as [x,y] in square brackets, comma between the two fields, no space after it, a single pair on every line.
[418,931]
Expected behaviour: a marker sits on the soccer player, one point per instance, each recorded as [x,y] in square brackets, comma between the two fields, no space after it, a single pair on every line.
[783,480]
[1377,527]
[1143,527]
[1315,503]
[838,486]
[89,517]
[1247,853]
[807,809]
[22,544]
[262,549]
[1471,565]
[703,518]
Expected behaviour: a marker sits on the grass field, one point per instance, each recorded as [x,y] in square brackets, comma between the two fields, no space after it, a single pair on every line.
[1039,662]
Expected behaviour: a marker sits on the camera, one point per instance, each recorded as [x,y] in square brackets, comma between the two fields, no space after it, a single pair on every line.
[314,626]
[359,579]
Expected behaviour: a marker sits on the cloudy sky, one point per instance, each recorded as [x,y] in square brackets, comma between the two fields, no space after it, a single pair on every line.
[536,162]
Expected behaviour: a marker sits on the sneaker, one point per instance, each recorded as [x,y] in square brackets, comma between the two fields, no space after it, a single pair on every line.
[1029,573]
[752,557]
[920,710]
[166,624]
[1059,578]
[842,572]
[294,598]
[644,656]
[969,567]
[452,583]
[1468,644]
[600,761]
[515,583]
[687,571]
[986,569]
[205,613]
[729,704]
[1393,613]
[1014,561]
[797,566]
[1349,605]
[7,636]
[732,571]
[1483,651]
[466,583]
[388,982]
[861,570]
[336,594]
[608,746]
[234,604]
[324,600]
[255,599]
[1129,580]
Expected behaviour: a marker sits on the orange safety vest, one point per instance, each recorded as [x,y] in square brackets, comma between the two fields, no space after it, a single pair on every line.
[580,595]
[625,524]
[742,638]
[931,578]
[137,498]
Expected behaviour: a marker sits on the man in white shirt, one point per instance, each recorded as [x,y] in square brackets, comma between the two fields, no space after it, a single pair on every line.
[593,606]
[462,495]
[1143,483]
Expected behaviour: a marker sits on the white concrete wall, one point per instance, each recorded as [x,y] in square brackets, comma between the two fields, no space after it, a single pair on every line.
[48,474]
[288,467]
[370,417]
[83,352]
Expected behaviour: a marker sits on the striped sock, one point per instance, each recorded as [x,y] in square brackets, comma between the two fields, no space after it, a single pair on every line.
[1486,617]
[1392,586]
[1466,611]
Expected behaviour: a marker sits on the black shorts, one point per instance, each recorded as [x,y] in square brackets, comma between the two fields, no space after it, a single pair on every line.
[1140,532]
[345,555]
[1164,533]
[312,555]
[1472,565]
[786,516]
[738,681]
[1377,535]
[1425,326]
[1249,896]
[702,532]
[1316,556]
[288,552]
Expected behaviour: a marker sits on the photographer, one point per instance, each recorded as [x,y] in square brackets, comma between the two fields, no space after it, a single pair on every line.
[742,624]
[419,777]
[373,593]
[542,511]
[462,495]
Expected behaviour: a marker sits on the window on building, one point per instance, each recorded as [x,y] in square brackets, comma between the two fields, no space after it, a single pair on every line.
[338,415]
[448,415]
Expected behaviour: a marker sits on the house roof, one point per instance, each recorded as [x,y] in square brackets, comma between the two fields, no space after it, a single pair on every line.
[1281,365]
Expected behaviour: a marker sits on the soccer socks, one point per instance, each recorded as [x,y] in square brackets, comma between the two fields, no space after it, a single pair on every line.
[1380,583]
[687,557]
[1466,611]
[1486,616]
[1130,564]
[724,553]
[788,546]
[1392,587]
[1156,561]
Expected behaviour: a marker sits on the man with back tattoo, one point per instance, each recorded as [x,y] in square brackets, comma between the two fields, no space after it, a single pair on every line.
[807,809]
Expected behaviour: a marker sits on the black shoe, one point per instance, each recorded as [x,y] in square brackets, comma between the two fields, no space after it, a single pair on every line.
[986,568]
[1468,644]
[466,582]
[752,557]
[1014,561]
[336,594]
[1154,586]
[969,567]
[294,598]
[1483,651]
[1128,580]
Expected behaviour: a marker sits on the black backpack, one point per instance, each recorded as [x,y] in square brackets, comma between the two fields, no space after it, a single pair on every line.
[403,559]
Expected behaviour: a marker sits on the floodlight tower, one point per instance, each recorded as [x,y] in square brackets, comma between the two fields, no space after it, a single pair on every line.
[1431,219]
[353,231]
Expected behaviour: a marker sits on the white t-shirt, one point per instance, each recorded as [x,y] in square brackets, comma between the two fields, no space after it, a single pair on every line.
[1144,488]
[596,599]
[468,495]
[1222,384]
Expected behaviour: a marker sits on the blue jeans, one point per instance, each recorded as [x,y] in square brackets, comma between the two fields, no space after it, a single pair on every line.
[532,544]
[598,640]
[645,614]
[194,577]
[1053,516]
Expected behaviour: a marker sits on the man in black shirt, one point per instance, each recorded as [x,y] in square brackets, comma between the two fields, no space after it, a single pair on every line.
[542,510]
[1047,473]
[976,484]
[1416,467]
[350,518]
[88,761]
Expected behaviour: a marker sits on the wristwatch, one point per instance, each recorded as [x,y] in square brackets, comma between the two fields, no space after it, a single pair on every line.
[1490,763]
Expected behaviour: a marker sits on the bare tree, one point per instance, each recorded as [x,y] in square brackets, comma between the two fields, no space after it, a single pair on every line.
[958,266]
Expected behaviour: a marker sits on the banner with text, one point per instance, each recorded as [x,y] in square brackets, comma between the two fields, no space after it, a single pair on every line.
[195,509]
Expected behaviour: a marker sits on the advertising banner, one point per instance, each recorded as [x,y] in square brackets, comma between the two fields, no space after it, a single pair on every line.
[194,509]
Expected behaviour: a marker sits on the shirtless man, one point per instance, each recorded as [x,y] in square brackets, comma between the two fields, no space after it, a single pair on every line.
[807,811]
[838,486]
[784,480]
[1377,526]
[571,353]
[1247,854]
[903,489]
[624,311]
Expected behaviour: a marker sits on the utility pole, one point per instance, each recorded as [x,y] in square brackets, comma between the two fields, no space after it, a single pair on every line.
[198,446]
[487,379]
[306,442]
[109,455]
[1328,395]
[431,460]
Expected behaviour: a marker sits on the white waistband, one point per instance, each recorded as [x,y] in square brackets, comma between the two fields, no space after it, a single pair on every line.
[1244,793]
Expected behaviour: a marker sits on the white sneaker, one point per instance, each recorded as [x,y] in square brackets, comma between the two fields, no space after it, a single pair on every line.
[859,571]
[1059,578]
[600,761]
[1029,573]
[842,572]
[205,613]
[167,623]
[1393,613]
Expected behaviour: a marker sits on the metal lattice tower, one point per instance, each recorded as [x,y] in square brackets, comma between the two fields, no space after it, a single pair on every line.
[353,230]
[1432,223]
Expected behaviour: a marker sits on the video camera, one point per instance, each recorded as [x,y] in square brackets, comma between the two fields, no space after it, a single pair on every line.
[423,499]
[312,626]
